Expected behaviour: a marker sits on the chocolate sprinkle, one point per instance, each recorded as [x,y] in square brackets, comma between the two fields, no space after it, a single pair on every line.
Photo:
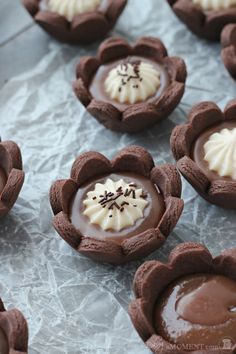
[125,77]
[109,199]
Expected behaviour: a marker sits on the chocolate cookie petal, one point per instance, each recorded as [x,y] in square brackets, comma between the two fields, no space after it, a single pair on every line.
[135,159]
[141,322]
[14,326]
[174,209]
[101,251]
[181,140]
[167,178]
[228,35]
[89,165]
[56,25]
[81,92]
[169,99]
[89,27]
[13,155]
[114,10]
[223,193]
[230,110]
[229,58]
[12,188]
[143,244]
[105,113]
[150,46]
[61,194]
[32,6]
[193,174]
[86,68]
[177,68]
[66,230]
[113,48]
[204,114]
[140,116]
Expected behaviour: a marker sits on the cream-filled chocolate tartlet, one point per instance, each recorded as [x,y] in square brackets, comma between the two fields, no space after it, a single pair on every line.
[117,211]
[205,18]
[205,149]
[76,21]
[13,331]
[130,88]
[189,304]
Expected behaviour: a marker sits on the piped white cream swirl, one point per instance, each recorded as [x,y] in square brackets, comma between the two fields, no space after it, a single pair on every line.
[215,4]
[220,153]
[71,8]
[132,82]
[115,205]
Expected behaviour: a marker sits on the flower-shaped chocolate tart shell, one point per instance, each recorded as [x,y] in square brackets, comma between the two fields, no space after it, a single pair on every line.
[228,53]
[11,175]
[13,332]
[84,28]
[134,160]
[154,277]
[134,117]
[203,116]
[205,24]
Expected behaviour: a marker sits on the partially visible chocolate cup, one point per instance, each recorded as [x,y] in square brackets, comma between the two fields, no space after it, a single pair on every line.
[13,332]
[129,88]
[84,27]
[187,305]
[204,18]
[204,149]
[117,211]
[11,175]
[228,52]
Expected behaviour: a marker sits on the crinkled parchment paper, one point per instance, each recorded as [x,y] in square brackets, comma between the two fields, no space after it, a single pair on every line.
[72,304]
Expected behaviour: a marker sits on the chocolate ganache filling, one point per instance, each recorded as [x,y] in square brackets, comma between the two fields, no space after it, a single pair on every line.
[198,311]
[129,80]
[117,206]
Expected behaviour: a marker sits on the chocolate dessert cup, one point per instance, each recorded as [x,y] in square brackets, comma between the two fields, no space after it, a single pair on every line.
[228,53]
[120,210]
[84,28]
[206,24]
[13,332]
[119,113]
[11,175]
[206,125]
[187,305]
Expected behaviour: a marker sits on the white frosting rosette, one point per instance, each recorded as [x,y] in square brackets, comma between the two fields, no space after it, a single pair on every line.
[220,153]
[115,205]
[215,4]
[132,82]
[71,8]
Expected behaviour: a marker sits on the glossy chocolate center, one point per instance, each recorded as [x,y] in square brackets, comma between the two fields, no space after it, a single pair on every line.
[198,153]
[198,310]
[97,86]
[3,179]
[4,347]
[152,213]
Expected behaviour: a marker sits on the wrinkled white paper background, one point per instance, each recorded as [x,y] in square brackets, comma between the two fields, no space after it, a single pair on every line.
[72,304]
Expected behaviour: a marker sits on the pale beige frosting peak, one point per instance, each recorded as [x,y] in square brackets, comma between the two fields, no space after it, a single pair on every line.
[71,8]
[132,82]
[215,4]
[220,153]
[115,205]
